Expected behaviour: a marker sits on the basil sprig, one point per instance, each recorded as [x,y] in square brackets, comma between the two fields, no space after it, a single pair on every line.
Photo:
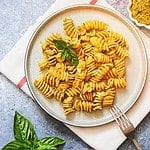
[26,138]
[23,129]
[67,52]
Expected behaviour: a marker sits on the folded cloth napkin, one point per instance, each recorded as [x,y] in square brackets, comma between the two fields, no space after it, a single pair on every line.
[97,137]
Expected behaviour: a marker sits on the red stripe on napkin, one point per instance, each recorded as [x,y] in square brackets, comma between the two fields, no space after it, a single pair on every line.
[93,2]
[22,82]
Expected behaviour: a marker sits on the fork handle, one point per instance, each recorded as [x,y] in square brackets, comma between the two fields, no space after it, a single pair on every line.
[137,145]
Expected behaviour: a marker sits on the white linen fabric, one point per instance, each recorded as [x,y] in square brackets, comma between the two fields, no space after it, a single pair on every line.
[97,137]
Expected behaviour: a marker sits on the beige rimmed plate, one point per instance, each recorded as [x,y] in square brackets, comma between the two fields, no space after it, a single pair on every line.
[136,63]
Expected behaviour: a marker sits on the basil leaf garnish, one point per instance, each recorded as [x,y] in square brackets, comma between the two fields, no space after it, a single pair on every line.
[18,145]
[67,52]
[60,44]
[23,128]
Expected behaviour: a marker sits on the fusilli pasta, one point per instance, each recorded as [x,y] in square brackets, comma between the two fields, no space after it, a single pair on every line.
[92,84]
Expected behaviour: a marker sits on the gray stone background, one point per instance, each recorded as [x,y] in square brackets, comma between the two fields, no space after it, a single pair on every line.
[15,17]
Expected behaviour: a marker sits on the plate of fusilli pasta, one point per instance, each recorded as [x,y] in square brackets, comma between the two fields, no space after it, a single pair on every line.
[83,59]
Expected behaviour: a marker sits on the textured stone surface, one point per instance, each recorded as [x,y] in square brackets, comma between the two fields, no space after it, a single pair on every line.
[15,17]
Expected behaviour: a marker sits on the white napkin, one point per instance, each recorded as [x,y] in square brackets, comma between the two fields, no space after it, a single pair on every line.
[102,137]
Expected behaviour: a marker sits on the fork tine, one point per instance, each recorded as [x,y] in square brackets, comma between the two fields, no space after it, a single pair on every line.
[114,116]
[123,114]
[120,117]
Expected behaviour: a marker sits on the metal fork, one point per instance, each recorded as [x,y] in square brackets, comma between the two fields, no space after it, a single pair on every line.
[125,124]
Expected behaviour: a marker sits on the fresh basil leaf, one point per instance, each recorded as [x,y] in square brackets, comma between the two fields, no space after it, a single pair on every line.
[73,59]
[64,54]
[17,145]
[48,143]
[23,128]
[45,147]
[67,52]
[60,44]
[53,141]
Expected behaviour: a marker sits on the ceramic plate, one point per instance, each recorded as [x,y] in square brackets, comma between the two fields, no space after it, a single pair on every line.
[136,63]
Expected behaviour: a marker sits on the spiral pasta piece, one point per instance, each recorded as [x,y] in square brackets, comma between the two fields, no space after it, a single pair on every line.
[95,24]
[91,33]
[80,76]
[50,52]
[70,28]
[68,105]
[59,95]
[48,43]
[120,67]
[45,88]
[98,100]
[88,96]
[72,92]
[85,38]
[117,82]
[52,37]
[103,69]
[95,41]
[119,39]
[44,64]
[102,58]
[87,47]
[122,52]
[51,80]
[109,97]
[98,86]
[87,87]
[71,69]
[102,34]
[83,105]
[81,30]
